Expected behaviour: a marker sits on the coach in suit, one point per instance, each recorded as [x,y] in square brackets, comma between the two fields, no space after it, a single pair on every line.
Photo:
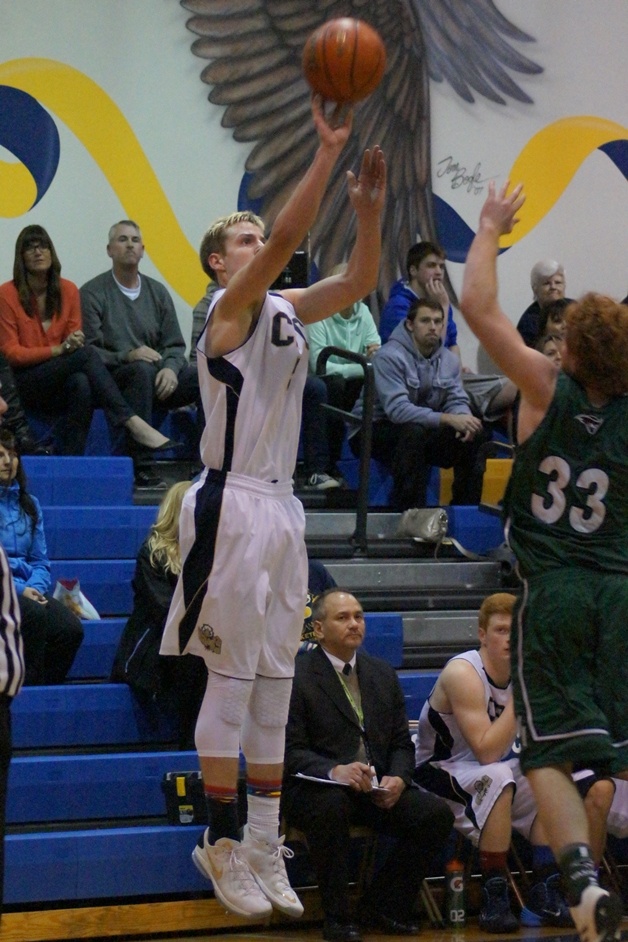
[348,724]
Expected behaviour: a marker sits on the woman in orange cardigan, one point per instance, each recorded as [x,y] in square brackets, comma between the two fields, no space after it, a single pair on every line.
[42,338]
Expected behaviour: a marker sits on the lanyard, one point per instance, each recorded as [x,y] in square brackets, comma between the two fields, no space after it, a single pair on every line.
[356,709]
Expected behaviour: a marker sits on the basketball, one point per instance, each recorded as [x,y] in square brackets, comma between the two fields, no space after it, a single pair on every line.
[344,60]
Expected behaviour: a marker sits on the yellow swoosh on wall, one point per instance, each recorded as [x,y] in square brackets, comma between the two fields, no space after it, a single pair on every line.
[549,161]
[106,134]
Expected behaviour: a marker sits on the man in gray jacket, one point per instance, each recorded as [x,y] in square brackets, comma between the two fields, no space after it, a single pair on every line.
[422,415]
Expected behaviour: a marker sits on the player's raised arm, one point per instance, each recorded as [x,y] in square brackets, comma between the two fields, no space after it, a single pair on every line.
[248,282]
[533,373]
[366,192]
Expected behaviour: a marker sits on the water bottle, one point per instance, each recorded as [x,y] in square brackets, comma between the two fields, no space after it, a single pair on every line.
[455,910]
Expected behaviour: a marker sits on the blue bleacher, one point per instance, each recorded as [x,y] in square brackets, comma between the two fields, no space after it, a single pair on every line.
[118,749]
[96,532]
[91,787]
[84,715]
[95,655]
[114,863]
[77,481]
[416,686]
[179,425]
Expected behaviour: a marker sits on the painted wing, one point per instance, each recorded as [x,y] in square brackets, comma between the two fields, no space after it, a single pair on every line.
[254,51]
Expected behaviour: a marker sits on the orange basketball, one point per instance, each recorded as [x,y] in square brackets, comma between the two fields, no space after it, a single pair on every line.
[344,60]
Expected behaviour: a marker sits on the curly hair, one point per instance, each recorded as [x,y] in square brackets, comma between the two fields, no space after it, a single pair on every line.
[26,502]
[26,237]
[214,238]
[597,339]
[163,541]
[500,603]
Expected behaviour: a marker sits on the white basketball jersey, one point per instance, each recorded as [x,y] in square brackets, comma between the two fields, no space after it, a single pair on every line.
[439,738]
[252,396]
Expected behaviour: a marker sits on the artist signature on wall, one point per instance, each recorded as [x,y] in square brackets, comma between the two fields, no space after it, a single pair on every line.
[459,176]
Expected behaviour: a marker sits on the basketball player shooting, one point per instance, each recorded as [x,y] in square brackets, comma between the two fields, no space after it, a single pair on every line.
[239,600]
[567,521]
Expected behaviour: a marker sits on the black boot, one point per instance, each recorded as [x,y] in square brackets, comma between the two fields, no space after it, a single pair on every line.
[14,418]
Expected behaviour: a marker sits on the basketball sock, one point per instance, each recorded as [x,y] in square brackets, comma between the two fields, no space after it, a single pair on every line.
[493,864]
[222,813]
[263,809]
[578,871]
[543,863]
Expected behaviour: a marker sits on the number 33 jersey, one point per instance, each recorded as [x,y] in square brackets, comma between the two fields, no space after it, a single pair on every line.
[252,396]
[567,499]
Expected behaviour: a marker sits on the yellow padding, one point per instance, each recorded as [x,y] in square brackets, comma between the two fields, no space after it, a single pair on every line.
[496,478]
[446,481]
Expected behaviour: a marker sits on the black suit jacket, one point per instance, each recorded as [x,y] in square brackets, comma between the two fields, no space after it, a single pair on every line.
[323,730]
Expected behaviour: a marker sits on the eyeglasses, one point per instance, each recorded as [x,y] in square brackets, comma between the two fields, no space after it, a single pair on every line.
[31,247]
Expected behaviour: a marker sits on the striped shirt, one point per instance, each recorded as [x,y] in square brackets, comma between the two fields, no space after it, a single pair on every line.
[11,649]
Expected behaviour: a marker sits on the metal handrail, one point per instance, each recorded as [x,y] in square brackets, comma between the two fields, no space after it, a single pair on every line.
[359,537]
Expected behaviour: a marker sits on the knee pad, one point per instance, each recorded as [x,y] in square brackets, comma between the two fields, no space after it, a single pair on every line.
[221,715]
[263,732]
[270,701]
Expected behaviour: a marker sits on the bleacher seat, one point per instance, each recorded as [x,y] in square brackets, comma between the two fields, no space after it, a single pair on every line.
[84,715]
[80,481]
[79,532]
[101,863]
[179,425]
[416,686]
[94,658]
[91,787]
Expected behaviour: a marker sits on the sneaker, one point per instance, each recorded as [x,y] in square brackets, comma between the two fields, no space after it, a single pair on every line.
[496,914]
[546,905]
[266,861]
[144,480]
[322,482]
[598,915]
[234,885]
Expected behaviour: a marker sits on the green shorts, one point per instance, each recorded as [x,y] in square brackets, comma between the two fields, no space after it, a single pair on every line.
[569,647]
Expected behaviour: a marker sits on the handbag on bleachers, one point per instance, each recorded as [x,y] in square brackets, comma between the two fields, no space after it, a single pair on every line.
[430,525]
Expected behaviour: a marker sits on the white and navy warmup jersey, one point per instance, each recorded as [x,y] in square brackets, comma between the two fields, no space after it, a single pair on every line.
[252,396]
[447,766]
[439,738]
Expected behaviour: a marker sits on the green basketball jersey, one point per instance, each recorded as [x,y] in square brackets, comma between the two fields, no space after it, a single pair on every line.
[567,499]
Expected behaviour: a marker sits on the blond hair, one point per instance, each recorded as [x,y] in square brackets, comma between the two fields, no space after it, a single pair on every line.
[163,540]
[214,238]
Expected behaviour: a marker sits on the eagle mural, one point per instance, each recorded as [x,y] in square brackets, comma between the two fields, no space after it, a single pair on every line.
[254,50]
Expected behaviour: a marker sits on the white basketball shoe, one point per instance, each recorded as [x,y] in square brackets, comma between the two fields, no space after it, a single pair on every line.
[598,915]
[225,864]
[266,860]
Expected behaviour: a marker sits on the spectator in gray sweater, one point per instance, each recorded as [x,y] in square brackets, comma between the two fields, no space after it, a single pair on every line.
[422,415]
[131,320]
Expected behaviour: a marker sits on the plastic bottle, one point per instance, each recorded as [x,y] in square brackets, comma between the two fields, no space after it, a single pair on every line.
[455,909]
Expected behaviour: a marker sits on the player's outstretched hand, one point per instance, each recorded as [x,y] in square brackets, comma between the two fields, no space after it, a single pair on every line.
[501,208]
[333,129]
[367,190]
